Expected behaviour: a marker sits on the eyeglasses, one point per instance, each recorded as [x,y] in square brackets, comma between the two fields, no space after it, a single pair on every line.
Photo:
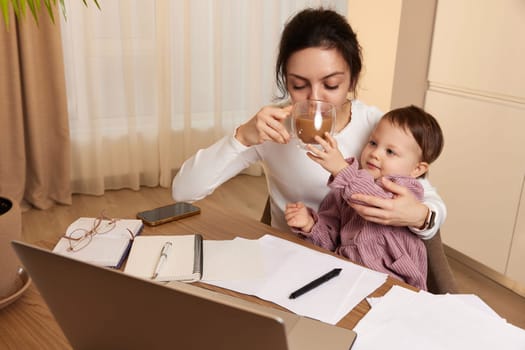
[80,238]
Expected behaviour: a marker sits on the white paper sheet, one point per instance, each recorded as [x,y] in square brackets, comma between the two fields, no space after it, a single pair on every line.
[469,299]
[289,266]
[404,319]
[236,259]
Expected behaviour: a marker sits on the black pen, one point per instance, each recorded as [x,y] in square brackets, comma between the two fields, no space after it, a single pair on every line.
[315,283]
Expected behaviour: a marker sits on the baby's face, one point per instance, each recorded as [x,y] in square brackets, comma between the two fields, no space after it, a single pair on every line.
[391,150]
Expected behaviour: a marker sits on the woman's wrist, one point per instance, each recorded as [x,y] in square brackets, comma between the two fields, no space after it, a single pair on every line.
[239,136]
[424,214]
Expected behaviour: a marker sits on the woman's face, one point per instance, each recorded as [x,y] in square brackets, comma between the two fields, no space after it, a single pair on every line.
[317,73]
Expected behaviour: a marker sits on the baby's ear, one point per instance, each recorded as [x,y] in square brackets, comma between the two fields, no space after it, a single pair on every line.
[420,169]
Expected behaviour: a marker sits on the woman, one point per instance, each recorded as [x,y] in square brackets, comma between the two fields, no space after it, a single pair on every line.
[319,59]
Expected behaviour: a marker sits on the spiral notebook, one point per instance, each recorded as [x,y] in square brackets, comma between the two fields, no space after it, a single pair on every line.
[183,262]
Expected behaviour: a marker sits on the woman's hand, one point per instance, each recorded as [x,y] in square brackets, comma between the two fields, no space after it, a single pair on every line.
[403,210]
[329,157]
[297,215]
[266,125]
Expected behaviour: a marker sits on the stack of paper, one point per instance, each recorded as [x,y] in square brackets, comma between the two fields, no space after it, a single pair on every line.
[288,266]
[404,319]
[109,248]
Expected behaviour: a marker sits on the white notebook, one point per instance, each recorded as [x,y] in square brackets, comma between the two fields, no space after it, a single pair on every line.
[104,249]
[183,262]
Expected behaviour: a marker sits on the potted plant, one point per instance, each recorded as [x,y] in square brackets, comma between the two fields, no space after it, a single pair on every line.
[11,281]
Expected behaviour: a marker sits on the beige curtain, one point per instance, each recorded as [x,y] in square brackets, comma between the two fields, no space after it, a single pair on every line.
[34,131]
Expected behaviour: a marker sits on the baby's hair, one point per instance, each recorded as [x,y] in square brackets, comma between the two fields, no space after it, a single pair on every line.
[424,128]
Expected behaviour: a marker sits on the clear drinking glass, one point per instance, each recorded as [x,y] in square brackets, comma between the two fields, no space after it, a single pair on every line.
[311,118]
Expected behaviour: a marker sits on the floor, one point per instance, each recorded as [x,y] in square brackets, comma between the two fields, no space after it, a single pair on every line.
[245,195]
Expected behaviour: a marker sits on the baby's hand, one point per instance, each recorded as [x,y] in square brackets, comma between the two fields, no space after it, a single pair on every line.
[329,157]
[297,215]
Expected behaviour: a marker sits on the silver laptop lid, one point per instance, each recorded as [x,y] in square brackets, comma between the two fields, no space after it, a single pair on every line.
[99,308]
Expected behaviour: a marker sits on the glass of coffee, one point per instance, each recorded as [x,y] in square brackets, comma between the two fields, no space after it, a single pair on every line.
[311,118]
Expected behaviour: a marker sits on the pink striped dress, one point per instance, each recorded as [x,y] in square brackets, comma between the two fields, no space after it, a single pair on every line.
[390,249]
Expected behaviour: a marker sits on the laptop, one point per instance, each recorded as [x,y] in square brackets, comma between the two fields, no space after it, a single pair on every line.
[101,308]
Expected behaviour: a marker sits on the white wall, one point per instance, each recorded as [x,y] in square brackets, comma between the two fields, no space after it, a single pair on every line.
[395,36]
[377,26]
[477,92]
[463,61]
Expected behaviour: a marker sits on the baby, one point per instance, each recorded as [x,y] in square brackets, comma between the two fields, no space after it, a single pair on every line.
[401,147]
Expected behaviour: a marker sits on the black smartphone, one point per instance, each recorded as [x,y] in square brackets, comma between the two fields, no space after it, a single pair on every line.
[168,213]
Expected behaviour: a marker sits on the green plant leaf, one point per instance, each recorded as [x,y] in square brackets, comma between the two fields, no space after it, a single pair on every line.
[49,6]
[4,4]
[63,7]
[16,8]
[20,8]
[33,6]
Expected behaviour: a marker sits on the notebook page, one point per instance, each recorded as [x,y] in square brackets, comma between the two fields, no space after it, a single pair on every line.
[145,253]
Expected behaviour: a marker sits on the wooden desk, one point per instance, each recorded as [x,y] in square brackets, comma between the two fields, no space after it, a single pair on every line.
[28,323]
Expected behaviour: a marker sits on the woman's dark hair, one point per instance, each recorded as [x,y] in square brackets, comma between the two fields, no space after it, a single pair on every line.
[423,126]
[318,28]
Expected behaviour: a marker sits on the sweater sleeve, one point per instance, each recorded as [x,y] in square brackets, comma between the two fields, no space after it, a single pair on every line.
[325,232]
[209,168]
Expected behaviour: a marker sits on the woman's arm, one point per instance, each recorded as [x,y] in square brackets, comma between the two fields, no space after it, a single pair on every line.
[404,209]
[209,168]
[434,202]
